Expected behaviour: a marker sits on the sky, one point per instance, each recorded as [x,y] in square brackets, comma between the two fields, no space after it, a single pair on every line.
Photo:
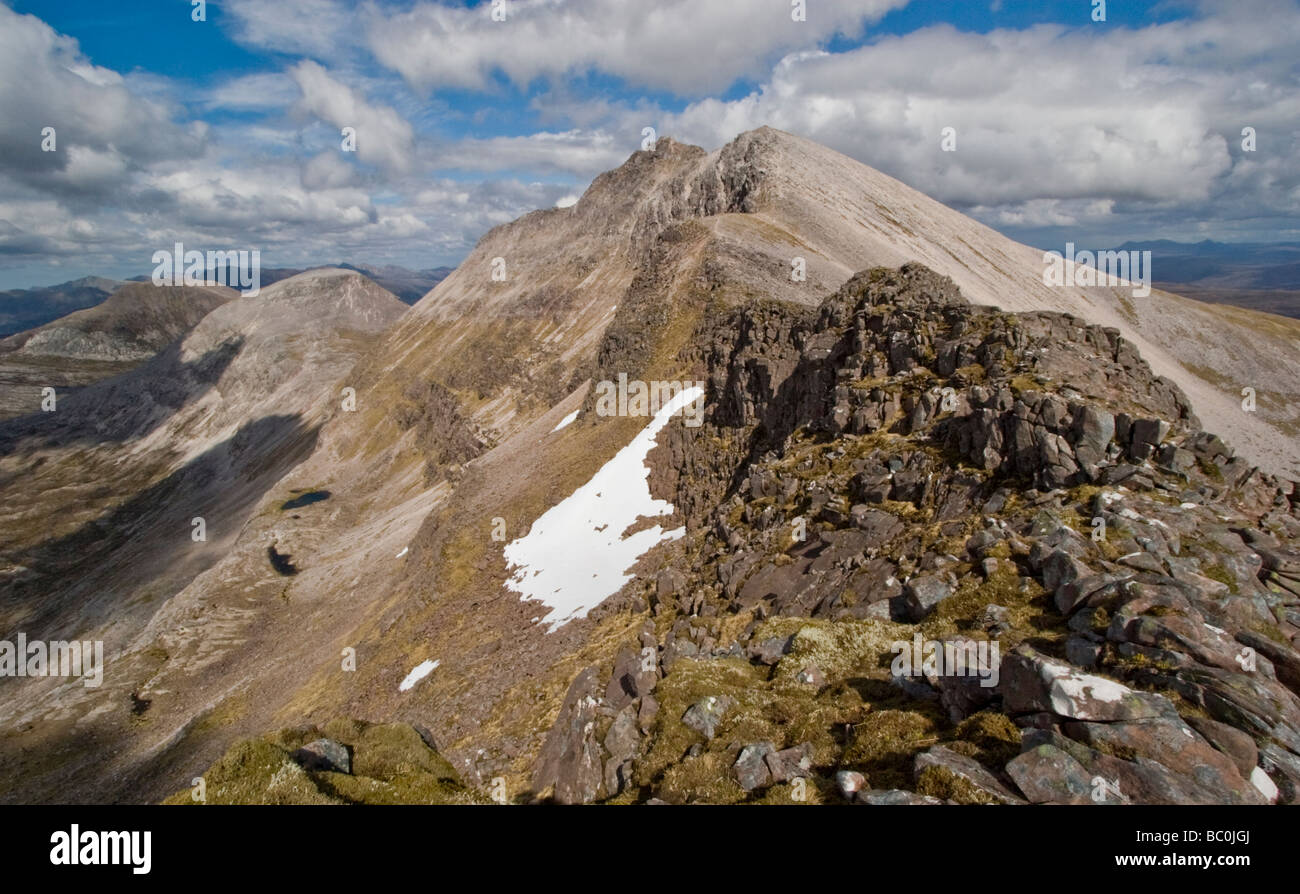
[220,125]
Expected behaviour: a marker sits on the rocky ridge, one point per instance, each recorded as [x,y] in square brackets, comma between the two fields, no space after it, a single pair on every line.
[948,466]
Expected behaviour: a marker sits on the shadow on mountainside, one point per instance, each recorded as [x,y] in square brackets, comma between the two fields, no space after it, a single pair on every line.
[145,542]
[127,406]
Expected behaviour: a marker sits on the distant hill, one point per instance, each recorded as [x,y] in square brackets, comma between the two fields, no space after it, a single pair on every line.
[22,309]
[408,285]
[132,325]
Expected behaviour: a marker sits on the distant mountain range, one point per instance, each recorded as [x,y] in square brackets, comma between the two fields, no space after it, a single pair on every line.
[22,309]
[1242,265]
[1258,275]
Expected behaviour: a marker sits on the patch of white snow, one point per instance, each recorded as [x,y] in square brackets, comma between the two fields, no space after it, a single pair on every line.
[420,671]
[575,555]
[567,420]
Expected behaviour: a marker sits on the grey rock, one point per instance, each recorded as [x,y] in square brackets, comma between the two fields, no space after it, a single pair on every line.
[849,783]
[965,768]
[705,715]
[770,650]
[1048,775]
[570,758]
[324,754]
[1030,683]
[922,594]
[751,766]
[894,797]
[790,763]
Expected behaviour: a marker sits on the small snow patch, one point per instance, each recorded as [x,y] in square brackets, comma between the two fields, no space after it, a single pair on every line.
[566,421]
[421,670]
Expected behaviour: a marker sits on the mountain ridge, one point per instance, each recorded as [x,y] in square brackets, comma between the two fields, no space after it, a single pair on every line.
[674,267]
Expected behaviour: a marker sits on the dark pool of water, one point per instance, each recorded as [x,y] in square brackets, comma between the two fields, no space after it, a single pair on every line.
[314,496]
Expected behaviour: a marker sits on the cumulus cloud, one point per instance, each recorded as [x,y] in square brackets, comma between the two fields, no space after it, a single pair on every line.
[1053,125]
[1120,130]
[102,130]
[382,136]
[584,153]
[689,47]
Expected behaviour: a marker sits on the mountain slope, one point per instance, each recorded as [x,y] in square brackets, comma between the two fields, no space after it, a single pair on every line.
[133,323]
[465,393]
[101,496]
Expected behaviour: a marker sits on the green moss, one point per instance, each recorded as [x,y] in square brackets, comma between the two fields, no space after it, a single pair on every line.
[1219,572]
[255,771]
[391,764]
[995,737]
[1209,469]
[940,782]
[705,779]
[885,744]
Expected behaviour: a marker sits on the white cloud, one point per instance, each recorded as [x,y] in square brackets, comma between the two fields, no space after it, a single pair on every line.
[1044,116]
[327,171]
[307,27]
[264,90]
[690,47]
[45,81]
[382,136]
[585,153]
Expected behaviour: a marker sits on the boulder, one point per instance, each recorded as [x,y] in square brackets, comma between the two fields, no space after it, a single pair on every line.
[570,759]
[1048,775]
[751,766]
[922,594]
[948,764]
[324,754]
[1031,683]
[705,715]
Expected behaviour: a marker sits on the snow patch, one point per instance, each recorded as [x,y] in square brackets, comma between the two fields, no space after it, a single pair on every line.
[575,555]
[418,673]
[567,420]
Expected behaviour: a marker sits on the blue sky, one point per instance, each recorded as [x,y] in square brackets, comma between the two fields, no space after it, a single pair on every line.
[226,132]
